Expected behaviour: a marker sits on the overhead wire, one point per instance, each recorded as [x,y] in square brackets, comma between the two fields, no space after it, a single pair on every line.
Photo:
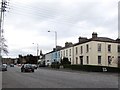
[37,12]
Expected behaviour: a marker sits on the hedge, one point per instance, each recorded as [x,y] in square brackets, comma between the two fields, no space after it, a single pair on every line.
[92,68]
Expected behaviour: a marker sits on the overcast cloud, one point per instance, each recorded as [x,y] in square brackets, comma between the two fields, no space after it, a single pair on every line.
[27,22]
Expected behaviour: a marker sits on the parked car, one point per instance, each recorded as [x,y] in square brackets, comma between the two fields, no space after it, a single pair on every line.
[3,67]
[11,65]
[35,66]
[27,68]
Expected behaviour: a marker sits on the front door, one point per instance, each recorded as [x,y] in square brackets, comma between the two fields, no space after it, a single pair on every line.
[81,60]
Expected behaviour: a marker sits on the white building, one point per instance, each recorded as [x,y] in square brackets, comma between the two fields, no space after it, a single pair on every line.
[67,52]
[101,51]
[94,51]
[48,59]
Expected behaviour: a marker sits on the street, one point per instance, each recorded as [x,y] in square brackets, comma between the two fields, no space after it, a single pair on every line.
[48,78]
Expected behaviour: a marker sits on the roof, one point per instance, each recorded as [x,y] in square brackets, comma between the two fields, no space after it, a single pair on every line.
[99,39]
[67,47]
[102,39]
[49,52]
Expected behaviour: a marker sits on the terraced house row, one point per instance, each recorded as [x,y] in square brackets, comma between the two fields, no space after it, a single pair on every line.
[96,50]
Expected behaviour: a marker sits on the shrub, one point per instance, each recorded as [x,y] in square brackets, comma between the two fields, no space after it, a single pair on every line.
[55,65]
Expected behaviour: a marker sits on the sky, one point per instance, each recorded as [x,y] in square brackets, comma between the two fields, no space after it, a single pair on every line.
[28,21]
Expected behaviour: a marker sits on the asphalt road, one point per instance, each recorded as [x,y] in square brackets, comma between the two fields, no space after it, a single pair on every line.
[48,78]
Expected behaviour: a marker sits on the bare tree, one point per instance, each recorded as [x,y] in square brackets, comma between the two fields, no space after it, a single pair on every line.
[3,46]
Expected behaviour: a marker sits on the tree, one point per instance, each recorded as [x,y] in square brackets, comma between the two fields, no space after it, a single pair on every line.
[3,46]
[20,56]
[65,61]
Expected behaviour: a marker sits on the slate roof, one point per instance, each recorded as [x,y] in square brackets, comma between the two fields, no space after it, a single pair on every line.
[99,39]
[102,39]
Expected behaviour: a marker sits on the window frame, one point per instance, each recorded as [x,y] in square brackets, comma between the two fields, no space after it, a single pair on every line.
[69,52]
[87,48]
[99,47]
[76,50]
[109,47]
[81,49]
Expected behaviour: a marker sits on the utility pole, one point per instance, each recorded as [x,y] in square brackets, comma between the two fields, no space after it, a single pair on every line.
[37,52]
[4,5]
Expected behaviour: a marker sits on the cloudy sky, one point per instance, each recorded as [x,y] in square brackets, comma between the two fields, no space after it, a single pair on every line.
[28,22]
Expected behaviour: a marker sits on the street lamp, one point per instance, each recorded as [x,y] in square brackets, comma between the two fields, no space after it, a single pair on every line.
[55,41]
[55,38]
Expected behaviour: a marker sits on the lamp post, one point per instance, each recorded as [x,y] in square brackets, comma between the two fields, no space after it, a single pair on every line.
[55,42]
[55,37]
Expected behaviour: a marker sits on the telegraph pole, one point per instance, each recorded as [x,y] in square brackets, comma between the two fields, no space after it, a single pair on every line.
[4,4]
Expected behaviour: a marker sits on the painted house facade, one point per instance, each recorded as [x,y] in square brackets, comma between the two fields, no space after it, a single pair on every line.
[53,56]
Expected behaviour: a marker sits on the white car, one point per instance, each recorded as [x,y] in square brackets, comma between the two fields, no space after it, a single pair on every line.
[5,65]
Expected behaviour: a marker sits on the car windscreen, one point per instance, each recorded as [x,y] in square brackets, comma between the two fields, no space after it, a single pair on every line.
[28,66]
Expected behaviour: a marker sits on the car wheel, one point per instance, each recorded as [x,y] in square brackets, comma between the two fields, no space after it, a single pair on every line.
[32,70]
[24,70]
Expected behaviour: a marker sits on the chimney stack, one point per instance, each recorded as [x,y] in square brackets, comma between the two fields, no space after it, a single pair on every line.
[67,44]
[82,39]
[94,35]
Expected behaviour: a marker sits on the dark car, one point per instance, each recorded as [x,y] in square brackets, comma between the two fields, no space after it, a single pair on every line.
[27,68]
[11,65]
[3,67]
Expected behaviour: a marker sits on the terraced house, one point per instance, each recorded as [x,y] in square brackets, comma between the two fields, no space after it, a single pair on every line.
[67,52]
[96,50]
[53,56]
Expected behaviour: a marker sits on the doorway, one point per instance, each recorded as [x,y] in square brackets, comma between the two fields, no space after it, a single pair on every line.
[81,60]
